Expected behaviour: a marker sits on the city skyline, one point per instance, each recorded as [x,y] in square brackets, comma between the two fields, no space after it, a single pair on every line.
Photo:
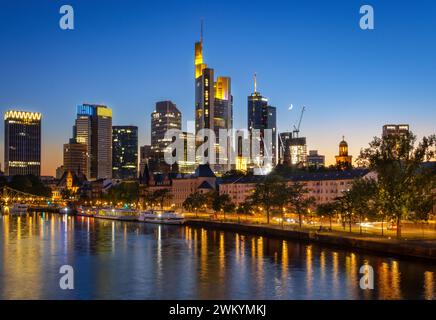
[335,84]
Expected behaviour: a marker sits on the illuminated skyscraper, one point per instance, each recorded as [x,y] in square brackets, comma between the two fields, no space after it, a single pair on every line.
[292,150]
[395,130]
[165,117]
[93,128]
[261,116]
[213,104]
[22,143]
[124,152]
[75,157]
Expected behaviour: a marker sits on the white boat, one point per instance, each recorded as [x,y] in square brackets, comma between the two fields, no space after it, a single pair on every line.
[18,208]
[162,217]
[117,214]
[87,211]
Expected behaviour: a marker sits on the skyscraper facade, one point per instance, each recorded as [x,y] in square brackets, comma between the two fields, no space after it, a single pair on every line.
[124,152]
[262,116]
[292,150]
[213,106]
[75,157]
[93,128]
[165,117]
[22,143]
[395,130]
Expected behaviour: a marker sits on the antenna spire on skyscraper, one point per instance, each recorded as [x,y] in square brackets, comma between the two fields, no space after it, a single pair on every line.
[255,82]
[201,30]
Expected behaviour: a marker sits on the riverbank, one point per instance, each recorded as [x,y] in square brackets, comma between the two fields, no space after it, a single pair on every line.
[404,248]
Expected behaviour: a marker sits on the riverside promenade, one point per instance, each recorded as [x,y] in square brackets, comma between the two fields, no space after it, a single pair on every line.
[424,249]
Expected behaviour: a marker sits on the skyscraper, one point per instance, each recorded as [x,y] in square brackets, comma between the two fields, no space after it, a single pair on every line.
[22,143]
[75,157]
[292,150]
[165,117]
[213,105]
[315,160]
[93,128]
[144,157]
[124,152]
[395,129]
[261,116]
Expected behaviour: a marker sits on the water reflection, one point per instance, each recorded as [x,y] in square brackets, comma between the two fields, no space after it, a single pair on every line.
[141,261]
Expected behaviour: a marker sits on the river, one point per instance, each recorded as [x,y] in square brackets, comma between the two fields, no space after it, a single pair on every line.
[127,260]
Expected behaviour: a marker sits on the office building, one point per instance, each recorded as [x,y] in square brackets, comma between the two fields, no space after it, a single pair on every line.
[261,116]
[213,107]
[292,150]
[395,129]
[22,145]
[165,117]
[75,157]
[315,160]
[93,127]
[124,152]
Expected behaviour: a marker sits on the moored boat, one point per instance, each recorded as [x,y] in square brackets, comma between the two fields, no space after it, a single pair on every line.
[86,211]
[162,217]
[17,208]
[117,214]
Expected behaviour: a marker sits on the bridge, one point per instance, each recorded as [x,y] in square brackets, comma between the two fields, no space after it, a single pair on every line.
[9,196]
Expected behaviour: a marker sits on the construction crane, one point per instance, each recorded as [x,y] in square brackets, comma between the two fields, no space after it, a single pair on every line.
[297,129]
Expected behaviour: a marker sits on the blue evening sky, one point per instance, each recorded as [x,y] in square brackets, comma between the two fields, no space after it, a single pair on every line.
[129,54]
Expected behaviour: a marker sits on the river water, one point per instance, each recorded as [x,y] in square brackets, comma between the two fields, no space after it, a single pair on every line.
[127,260]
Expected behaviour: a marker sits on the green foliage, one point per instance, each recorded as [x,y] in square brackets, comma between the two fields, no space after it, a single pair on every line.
[404,184]
[195,201]
[126,192]
[29,184]
[158,197]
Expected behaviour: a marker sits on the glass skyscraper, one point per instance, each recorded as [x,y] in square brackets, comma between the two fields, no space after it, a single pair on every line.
[93,127]
[124,152]
[22,143]
[261,116]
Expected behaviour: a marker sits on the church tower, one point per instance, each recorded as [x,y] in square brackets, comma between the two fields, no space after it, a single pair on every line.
[343,160]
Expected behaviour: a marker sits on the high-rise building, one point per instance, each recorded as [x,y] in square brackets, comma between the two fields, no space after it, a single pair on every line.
[22,143]
[93,128]
[124,152]
[213,106]
[292,150]
[261,116]
[315,160]
[184,163]
[59,172]
[144,157]
[395,129]
[75,157]
[165,117]
[343,160]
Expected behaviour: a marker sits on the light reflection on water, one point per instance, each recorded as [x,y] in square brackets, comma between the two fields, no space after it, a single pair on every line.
[141,261]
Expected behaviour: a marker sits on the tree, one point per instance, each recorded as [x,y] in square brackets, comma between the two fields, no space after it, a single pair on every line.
[401,177]
[245,208]
[126,192]
[361,196]
[299,200]
[161,195]
[265,193]
[327,210]
[221,202]
[344,206]
[194,202]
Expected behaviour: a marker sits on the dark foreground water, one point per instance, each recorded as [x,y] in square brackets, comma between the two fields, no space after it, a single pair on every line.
[118,260]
